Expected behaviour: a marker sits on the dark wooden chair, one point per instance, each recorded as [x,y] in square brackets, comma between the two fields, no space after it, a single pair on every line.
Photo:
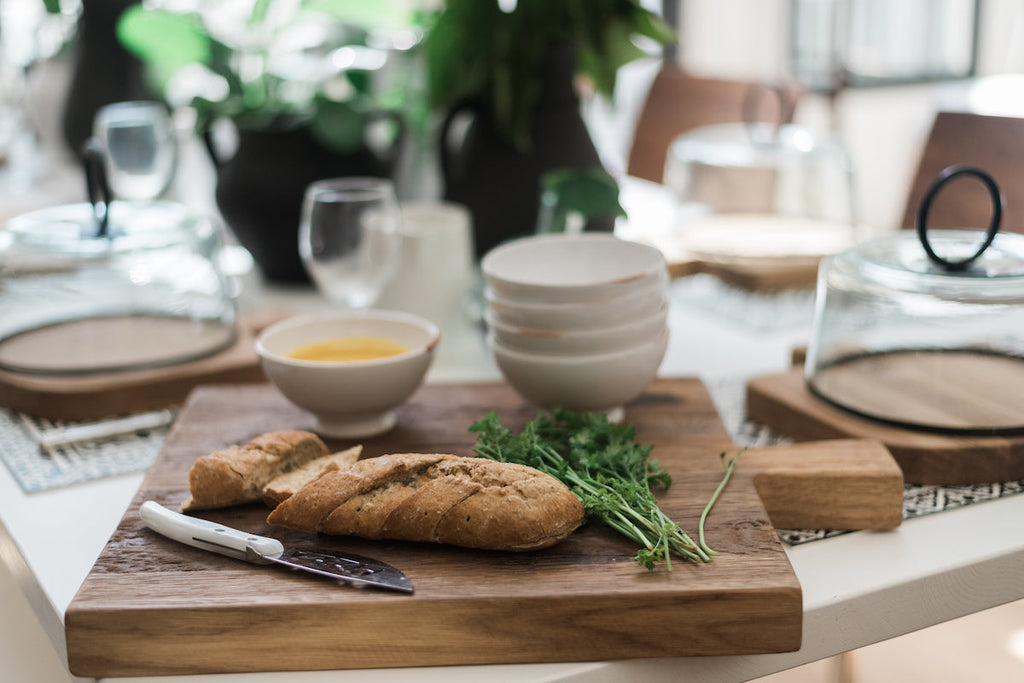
[993,143]
[678,102]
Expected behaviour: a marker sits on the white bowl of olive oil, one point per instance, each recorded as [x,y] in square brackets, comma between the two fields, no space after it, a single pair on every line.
[350,369]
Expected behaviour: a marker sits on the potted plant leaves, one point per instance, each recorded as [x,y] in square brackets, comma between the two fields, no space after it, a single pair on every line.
[505,74]
[302,83]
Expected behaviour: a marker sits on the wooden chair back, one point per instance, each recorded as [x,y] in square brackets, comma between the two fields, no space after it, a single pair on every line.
[992,143]
[678,102]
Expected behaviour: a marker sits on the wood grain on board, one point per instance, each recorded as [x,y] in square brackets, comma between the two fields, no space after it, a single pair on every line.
[832,484]
[941,389]
[768,274]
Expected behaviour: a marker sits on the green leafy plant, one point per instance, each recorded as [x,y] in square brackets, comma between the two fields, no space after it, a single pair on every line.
[277,65]
[576,195]
[611,474]
[492,52]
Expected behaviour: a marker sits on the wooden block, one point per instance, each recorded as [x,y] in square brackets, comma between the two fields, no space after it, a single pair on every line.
[835,484]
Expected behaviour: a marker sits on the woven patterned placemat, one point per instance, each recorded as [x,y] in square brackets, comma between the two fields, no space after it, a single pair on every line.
[756,311]
[39,469]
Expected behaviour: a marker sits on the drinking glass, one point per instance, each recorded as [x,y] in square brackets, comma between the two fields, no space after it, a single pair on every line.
[349,239]
[138,146]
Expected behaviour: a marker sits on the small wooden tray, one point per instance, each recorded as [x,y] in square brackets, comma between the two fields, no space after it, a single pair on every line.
[752,274]
[784,403]
[741,251]
[92,397]
[945,390]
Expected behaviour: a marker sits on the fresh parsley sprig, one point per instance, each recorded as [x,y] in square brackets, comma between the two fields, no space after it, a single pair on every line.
[611,474]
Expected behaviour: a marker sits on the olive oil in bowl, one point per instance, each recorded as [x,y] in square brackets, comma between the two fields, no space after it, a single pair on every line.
[348,349]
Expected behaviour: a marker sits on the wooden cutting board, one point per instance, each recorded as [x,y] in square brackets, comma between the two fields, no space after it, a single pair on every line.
[152,606]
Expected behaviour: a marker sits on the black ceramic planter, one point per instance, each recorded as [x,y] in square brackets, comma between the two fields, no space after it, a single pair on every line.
[260,191]
[501,184]
[104,72]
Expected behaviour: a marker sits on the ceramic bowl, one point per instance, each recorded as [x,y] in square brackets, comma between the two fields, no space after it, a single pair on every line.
[562,268]
[589,315]
[581,342]
[350,399]
[585,383]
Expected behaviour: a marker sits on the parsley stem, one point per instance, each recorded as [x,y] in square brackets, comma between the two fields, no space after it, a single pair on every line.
[714,497]
[605,468]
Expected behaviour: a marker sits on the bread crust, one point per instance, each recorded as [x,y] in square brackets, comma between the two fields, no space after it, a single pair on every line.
[237,474]
[439,498]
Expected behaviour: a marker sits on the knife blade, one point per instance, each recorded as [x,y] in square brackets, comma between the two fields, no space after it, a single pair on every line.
[217,538]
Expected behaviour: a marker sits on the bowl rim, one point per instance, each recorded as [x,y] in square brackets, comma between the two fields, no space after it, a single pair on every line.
[496,281]
[493,319]
[533,306]
[577,359]
[432,330]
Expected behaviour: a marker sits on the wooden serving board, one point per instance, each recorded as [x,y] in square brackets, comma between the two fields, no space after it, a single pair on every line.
[755,252]
[91,397]
[751,274]
[152,606]
[784,403]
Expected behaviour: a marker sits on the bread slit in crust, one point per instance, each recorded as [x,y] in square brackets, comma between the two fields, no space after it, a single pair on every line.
[438,498]
[418,516]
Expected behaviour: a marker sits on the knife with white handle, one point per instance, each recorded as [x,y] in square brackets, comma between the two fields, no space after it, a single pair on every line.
[240,545]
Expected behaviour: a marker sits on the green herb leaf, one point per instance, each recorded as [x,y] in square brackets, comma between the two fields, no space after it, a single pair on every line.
[611,474]
[589,192]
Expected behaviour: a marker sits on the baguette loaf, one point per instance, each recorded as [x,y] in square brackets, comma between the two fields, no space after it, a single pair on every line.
[471,502]
[285,485]
[237,474]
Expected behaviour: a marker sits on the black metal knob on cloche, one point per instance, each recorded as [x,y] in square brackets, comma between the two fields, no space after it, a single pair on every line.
[97,186]
[948,175]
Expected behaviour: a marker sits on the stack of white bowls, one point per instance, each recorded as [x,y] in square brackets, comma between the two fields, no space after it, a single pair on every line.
[578,321]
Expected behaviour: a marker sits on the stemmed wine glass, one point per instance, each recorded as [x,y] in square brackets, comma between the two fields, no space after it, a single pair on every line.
[136,140]
[349,238]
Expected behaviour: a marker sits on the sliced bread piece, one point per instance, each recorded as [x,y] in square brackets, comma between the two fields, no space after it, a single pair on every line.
[237,474]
